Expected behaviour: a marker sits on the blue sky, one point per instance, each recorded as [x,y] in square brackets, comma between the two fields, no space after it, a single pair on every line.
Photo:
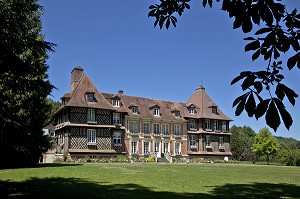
[116,45]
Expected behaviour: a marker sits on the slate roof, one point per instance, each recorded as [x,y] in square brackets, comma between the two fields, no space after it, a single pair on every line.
[201,102]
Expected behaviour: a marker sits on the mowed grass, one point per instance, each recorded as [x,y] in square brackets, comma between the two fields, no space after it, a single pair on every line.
[151,180]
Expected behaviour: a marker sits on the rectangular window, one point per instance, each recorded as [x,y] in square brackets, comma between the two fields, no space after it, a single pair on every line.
[177,114]
[116,102]
[117,139]
[192,110]
[166,147]
[177,129]
[177,148]
[192,124]
[91,115]
[156,129]
[207,125]
[146,128]
[166,129]
[116,118]
[207,141]
[192,141]
[134,147]
[133,127]
[214,110]
[90,97]
[134,110]
[224,126]
[156,147]
[156,112]
[146,147]
[91,136]
[215,125]
[221,142]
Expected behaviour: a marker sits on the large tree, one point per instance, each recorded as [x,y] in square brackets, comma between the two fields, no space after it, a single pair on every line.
[241,142]
[24,84]
[265,144]
[278,32]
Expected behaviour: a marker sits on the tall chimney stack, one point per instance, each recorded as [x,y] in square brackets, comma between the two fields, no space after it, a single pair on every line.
[75,77]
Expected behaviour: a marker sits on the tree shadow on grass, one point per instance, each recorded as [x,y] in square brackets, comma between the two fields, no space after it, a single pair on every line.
[78,188]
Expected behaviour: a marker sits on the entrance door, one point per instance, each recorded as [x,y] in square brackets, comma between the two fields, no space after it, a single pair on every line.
[157,149]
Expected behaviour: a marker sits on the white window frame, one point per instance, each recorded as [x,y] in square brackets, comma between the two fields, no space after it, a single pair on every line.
[146,128]
[177,148]
[134,127]
[192,110]
[207,141]
[207,125]
[117,137]
[166,129]
[116,118]
[146,147]
[215,125]
[156,111]
[166,148]
[156,129]
[224,126]
[192,124]
[221,142]
[91,137]
[192,141]
[177,129]
[91,117]
[134,145]
[116,103]
[134,110]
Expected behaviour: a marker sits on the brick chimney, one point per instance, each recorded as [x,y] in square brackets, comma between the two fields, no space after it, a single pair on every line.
[120,92]
[75,77]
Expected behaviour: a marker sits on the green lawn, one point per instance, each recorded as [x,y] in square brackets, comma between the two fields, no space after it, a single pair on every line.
[151,180]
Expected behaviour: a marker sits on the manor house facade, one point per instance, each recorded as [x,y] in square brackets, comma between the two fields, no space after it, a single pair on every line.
[94,123]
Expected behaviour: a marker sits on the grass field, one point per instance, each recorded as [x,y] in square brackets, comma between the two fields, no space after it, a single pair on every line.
[150,180]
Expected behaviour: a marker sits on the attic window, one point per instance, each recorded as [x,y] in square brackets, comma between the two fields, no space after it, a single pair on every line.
[177,114]
[90,97]
[156,111]
[135,110]
[116,102]
[192,110]
[214,110]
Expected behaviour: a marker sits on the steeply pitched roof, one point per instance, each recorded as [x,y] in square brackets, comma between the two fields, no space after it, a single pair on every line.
[78,96]
[204,106]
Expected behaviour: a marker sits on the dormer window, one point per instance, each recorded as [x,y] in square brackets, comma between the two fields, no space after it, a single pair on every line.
[156,111]
[116,103]
[214,110]
[90,97]
[134,110]
[177,114]
[192,110]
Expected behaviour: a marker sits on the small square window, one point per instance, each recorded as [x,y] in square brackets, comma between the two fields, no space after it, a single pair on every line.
[134,110]
[116,102]
[90,97]
[192,110]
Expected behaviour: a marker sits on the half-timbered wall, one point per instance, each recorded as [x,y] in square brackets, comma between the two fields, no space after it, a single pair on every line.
[79,116]
[78,139]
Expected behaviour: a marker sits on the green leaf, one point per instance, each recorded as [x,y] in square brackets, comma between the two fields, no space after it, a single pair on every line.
[250,105]
[261,108]
[249,81]
[263,30]
[168,23]
[204,2]
[239,109]
[280,91]
[256,55]
[238,100]
[258,86]
[247,24]
[291,95]
[285,116]
[272,116]
[293,60]
[252,46]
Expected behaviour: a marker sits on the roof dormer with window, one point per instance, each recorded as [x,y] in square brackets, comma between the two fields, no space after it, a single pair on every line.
[116,101]
[192,109]
[90,97]
[156,110]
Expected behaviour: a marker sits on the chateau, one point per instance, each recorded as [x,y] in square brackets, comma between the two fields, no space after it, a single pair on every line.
[94,123]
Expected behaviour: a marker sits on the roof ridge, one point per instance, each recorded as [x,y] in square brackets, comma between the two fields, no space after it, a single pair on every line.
[146,98]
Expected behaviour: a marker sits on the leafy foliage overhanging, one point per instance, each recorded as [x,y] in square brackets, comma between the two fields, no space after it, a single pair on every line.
[280,34]
[24,84]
